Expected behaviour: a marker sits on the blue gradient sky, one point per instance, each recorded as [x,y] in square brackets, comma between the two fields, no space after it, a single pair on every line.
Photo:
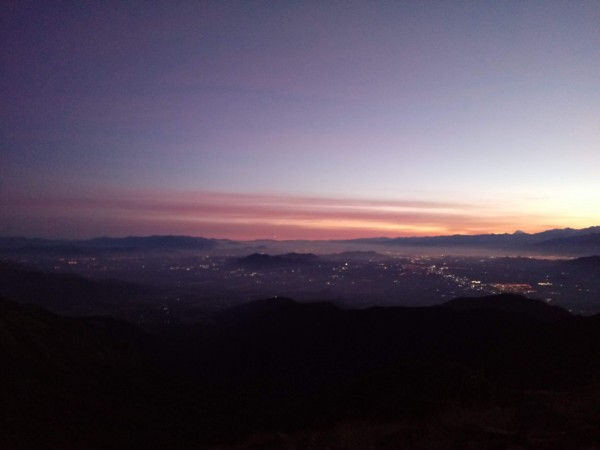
[298,119]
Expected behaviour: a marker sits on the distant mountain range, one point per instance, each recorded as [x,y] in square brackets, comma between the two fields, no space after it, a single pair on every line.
[106,244]
[560,241]
[586,240]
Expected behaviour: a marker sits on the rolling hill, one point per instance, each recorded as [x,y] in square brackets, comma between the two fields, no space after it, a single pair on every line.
[492,372]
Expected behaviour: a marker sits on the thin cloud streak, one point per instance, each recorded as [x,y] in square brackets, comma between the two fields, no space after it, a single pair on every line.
[248,216]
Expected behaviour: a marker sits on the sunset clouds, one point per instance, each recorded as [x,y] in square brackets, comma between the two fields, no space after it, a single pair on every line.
[298,119]
[247,216]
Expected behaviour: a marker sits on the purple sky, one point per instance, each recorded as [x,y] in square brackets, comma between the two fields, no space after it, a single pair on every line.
[298,119]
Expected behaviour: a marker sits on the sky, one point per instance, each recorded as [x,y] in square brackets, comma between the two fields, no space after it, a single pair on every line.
[298,119]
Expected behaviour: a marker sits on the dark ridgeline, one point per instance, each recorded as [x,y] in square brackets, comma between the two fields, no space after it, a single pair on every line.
[73,294]
[104,245]
[151,243]
[492,372]
[592,262]
[265,261]
[565,241]
[510,303]
[585,241]
[84,383]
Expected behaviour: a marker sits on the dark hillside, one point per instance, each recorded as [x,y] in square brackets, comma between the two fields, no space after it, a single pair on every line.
[72,384]
[495,376]
[264,261]
[511,303]
[72,294]
[290,364]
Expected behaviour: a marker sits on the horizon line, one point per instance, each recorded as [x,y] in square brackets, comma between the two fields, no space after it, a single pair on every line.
[275,239]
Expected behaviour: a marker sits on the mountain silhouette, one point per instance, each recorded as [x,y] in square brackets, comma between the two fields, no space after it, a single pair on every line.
[94,246]
[69,293]
[567,240]
[83,383]
[592,262]
[508,370]
[263,260]
[511,303]
[582,243]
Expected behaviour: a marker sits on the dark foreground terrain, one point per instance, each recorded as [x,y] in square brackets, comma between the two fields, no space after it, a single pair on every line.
[492,372]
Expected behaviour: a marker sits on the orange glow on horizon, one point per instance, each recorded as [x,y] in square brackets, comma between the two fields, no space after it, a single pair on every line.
[248,217]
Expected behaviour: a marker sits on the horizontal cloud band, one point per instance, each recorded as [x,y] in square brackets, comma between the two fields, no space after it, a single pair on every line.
[251,216]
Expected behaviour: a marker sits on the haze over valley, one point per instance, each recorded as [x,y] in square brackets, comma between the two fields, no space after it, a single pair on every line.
[170,279]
